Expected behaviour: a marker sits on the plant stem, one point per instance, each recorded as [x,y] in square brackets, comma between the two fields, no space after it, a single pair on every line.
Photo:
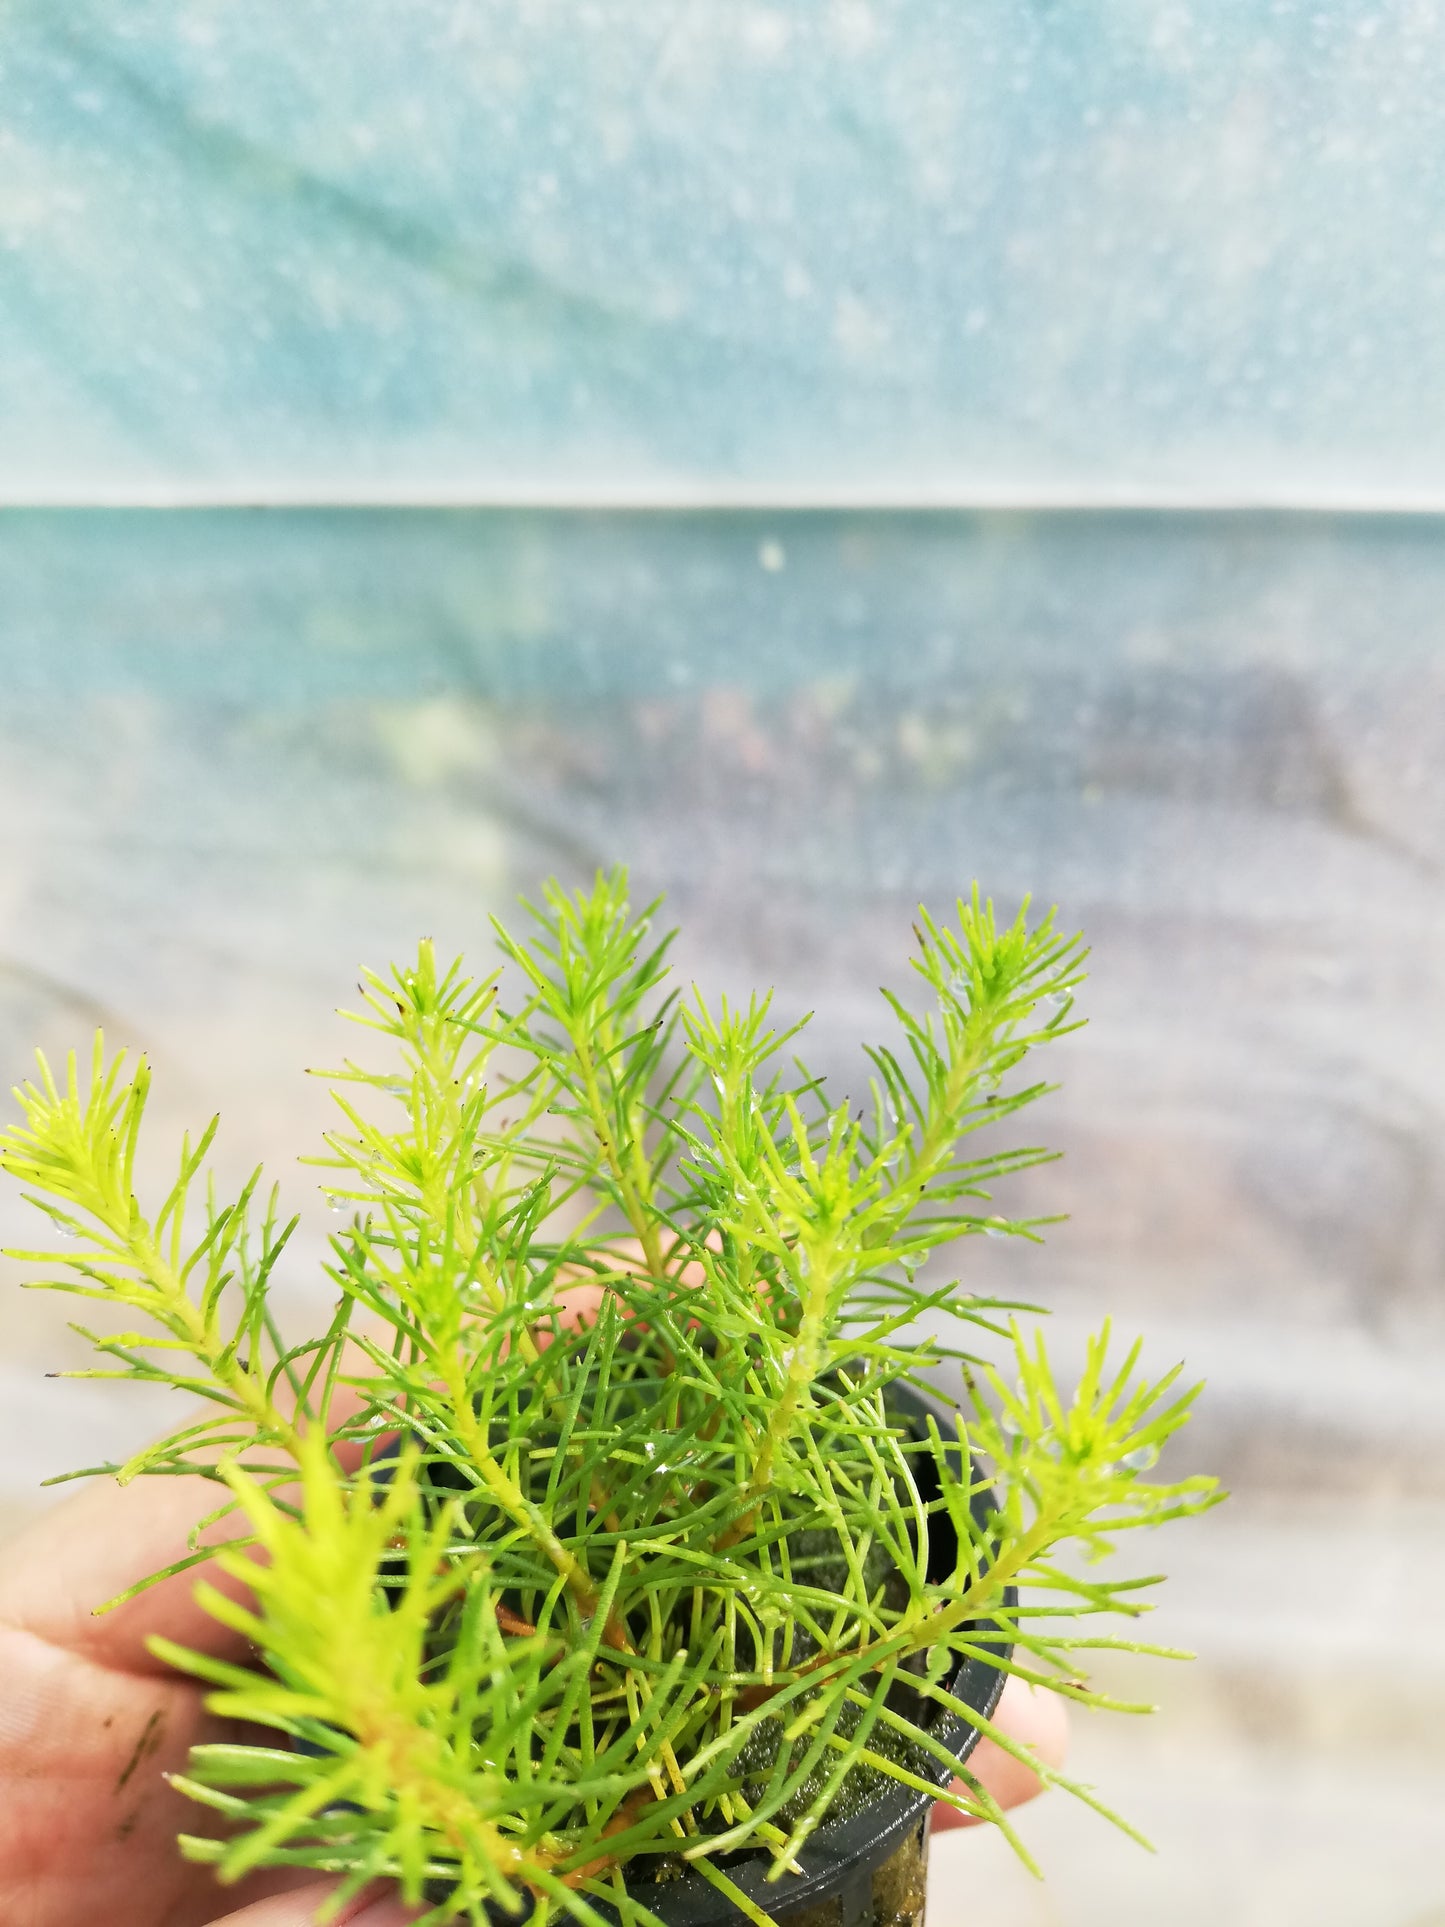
[802,1370]
[437,1193]
[641,1220]
[507,1493]
[180,1312]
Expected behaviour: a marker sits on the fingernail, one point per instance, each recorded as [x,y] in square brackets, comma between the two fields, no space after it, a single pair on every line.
[384,1910]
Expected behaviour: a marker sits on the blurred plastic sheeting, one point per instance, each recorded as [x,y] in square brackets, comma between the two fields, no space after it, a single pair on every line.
[249,752]
[879,248]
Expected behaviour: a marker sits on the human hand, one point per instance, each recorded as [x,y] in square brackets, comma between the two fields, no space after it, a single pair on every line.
[90,1724]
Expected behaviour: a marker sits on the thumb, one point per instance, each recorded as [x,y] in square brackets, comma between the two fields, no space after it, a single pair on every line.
[1038,1720]
[375,1908]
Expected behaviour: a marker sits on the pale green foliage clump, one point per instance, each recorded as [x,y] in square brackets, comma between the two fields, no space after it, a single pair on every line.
[656,1571]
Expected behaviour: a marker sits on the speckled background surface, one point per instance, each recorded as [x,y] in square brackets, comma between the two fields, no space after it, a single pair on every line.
[892,246]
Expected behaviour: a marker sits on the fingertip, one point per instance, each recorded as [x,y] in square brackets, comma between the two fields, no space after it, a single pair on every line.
[299,1907]
[1032,1717]
[579,1304]
[1036,1718]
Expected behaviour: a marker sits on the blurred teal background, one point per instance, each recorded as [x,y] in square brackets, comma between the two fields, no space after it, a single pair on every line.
[854,246]
[818,455]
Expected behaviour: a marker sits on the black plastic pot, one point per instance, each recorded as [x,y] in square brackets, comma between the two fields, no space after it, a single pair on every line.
[870,1868]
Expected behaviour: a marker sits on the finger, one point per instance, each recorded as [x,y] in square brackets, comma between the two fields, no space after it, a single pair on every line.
[96,1545]
[106,1539]
[1035,1718]
[299,1908]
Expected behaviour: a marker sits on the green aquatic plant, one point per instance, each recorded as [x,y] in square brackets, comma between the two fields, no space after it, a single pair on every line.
[594,1546]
